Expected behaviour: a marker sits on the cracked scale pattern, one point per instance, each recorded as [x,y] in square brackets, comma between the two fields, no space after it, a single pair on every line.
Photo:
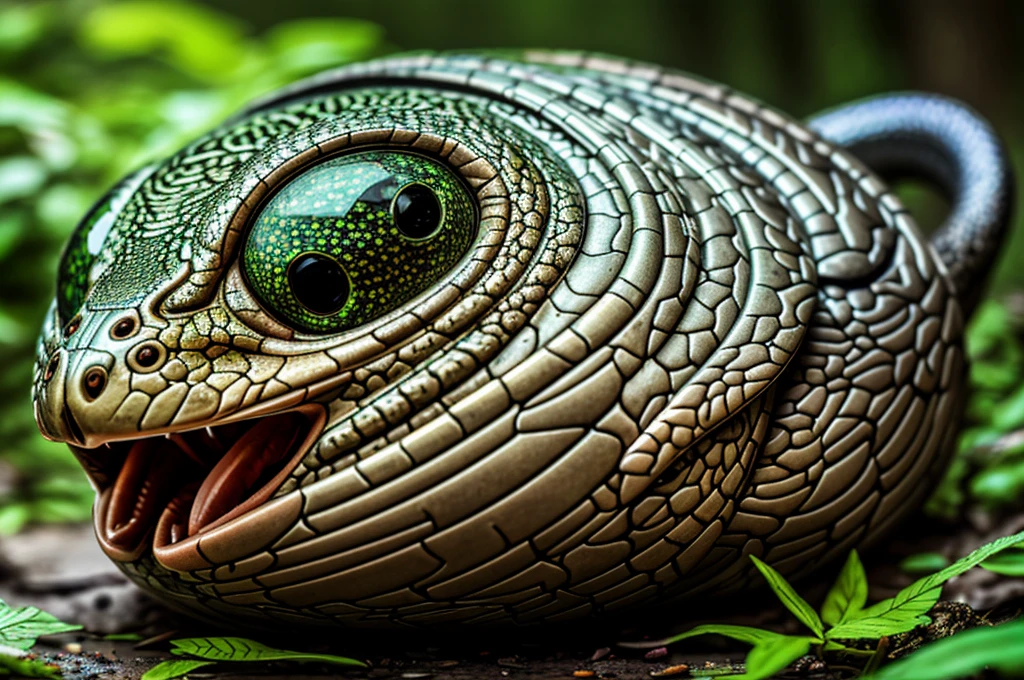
[688,330]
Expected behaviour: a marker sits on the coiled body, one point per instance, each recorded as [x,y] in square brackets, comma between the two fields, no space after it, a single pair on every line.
[687,330]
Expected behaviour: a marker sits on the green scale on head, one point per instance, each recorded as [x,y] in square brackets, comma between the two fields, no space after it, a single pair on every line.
[355,237]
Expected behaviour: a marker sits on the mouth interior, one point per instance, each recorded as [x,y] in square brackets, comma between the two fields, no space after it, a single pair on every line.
[178,485]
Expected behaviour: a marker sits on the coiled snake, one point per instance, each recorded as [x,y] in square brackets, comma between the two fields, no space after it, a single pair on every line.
[483,339]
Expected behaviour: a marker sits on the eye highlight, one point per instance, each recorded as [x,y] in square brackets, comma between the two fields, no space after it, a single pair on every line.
[355,237]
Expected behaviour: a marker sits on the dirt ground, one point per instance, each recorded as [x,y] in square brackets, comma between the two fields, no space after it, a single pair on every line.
[61,570]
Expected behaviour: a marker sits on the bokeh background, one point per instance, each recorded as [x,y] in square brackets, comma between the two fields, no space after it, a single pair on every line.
[90,89]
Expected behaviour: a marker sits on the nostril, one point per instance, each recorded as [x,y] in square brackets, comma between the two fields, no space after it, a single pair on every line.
[147,357]
[72,326]
[95,380]
[51,367]
[123,329]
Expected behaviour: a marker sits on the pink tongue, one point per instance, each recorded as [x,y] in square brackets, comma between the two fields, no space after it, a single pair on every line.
[235,477]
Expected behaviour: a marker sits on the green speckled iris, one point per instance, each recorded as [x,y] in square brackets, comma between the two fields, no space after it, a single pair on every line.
[353,238]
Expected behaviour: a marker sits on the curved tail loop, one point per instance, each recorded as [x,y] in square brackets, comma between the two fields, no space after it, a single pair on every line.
[944,142]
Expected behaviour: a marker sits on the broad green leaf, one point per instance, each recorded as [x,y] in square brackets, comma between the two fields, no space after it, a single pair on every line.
[166,670]
[242,649]
[746,634]
[27,668]
[1010,563]
[909,607]
[21,627]
[963,655]
[848,594]
[768,658]
[789,597]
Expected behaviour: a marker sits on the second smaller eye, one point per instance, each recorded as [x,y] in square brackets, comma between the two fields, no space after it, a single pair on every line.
[417,211]
[319,283]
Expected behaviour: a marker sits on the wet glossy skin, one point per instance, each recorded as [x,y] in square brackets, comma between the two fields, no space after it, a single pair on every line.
[634,328]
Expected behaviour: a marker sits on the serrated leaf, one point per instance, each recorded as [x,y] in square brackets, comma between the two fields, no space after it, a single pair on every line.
[768,658]
[21,627]
[166,670]
[27,668]
[243,649]
[742,633]
[790,598]
[848,594]
[909,607]
[963,655]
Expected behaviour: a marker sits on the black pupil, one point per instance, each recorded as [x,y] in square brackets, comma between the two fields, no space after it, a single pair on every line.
[319,283]
[417,212]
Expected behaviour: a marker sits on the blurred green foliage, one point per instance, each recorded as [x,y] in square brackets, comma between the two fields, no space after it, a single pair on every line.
[88,91]
[988,469]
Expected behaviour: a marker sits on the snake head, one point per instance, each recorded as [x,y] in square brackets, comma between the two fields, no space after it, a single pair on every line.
[212,308]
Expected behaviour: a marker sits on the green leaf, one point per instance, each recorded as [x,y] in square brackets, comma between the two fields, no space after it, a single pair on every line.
[1009,414]
[166,670]
[123,637]
[768,658]
[924,563]
[789,597]
[908,608]
[198,40]
[999,485]
[1010,563]
[963,655]
[27,668]
[21,627]
[771,652]
[242,649]
[848,594]
[13,516]
[742,633]
[307,45]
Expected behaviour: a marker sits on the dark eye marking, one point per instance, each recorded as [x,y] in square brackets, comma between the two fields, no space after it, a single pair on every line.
[416,211]
[319,283]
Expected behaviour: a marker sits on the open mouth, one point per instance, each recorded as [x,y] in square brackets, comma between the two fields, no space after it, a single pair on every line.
[160,490]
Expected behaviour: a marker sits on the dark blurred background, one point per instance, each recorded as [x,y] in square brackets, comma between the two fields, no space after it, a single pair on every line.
[90,89]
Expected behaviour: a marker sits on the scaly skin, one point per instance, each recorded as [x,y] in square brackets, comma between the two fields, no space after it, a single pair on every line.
[686,330]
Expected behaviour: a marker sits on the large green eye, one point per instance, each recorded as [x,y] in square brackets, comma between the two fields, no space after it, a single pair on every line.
[353,238]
